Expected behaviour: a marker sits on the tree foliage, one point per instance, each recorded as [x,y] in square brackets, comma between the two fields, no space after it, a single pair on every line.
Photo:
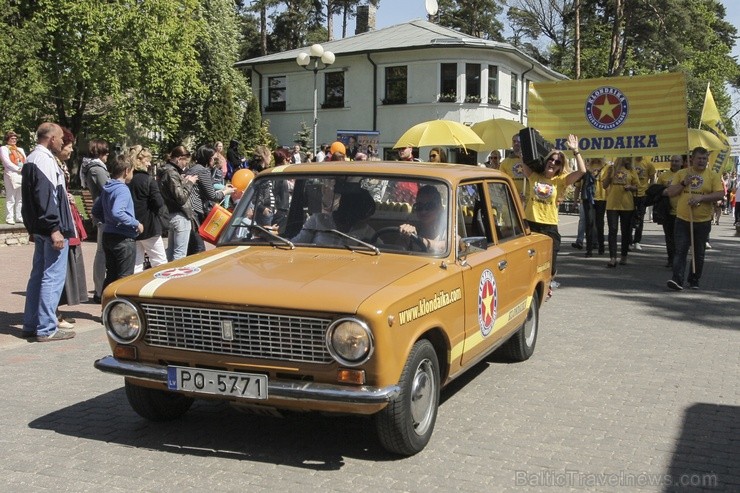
[473,17]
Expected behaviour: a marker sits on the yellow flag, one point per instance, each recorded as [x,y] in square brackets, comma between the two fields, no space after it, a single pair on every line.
[711,119]
[615,116]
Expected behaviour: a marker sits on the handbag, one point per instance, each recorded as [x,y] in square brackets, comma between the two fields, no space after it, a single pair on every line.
[212,226]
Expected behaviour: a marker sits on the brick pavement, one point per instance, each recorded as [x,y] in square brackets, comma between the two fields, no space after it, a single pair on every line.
[629,381]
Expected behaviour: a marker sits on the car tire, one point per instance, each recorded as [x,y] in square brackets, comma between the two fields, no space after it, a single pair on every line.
[405,426]
[521,345]
[157,405]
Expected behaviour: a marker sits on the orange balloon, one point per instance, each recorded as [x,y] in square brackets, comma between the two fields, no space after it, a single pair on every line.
[242,179]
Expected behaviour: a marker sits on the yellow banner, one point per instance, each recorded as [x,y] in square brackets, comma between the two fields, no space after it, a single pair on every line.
[615,116]
[711,119]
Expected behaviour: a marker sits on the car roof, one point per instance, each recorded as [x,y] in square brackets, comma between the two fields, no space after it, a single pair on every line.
[454,173]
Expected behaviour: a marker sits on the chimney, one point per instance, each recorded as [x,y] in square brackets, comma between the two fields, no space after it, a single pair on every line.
[365,19]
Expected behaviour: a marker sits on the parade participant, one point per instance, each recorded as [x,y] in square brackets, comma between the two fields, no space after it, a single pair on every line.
[590,191]
[697,188]
[646,175]
[542,198]
[512,166]
[494,160]
[429,225]
[665,179]
[437,155]
[620,182]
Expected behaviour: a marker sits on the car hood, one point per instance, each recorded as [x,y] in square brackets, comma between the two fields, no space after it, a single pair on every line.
[312,279]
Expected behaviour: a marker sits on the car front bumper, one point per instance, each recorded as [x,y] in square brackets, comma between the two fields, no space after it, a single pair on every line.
[299,391]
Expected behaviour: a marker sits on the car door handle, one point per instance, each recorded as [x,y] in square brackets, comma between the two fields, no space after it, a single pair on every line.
[531,252]
[502,265]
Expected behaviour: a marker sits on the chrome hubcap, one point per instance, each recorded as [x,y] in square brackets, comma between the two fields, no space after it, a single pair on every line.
[422,397]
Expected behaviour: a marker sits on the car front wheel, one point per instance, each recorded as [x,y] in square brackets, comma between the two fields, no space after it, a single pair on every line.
[157,405]
[406,424]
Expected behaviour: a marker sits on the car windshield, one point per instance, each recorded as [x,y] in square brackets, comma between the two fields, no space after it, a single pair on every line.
[365,213]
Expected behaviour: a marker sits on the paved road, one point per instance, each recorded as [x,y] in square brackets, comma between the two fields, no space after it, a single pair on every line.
[632,387]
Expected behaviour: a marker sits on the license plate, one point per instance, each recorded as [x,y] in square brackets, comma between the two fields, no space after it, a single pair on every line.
[228,383]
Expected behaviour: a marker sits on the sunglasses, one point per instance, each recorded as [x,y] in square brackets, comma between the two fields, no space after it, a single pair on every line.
[556,162]
[424,206]
[433,155]
[495,157]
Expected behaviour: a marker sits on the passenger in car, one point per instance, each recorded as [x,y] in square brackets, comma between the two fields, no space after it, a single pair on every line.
[350,217]
[430,226]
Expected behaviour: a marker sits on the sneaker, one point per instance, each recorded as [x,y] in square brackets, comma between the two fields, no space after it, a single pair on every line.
[577,246]
[10,222]
[637,246]
[694,285]
[554,284]
[709,247]
[59,335]
[674,285]
[63,324]
[589,254]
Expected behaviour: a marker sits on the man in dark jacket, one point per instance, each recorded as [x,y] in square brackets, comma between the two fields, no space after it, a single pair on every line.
[48,218]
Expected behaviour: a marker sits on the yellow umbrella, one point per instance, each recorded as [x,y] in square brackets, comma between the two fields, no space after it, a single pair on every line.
[704,139]
[496,133]
[438,133]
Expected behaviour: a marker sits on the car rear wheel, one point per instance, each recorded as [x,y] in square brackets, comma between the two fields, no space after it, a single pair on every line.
[521,345]
[406,424]
[157,405]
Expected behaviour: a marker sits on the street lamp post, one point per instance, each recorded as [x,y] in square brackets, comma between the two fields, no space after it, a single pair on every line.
[316,59]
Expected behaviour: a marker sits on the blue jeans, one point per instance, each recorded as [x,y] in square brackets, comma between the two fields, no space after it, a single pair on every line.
[45,286]
[581,224]
[682,237]
[178,236]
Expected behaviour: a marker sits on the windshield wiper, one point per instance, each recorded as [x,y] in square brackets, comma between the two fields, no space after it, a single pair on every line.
[369,246]
[272,235]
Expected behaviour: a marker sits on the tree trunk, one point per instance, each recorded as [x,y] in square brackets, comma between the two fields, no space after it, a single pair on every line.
[577,57]
[330,19]
[263,29]
[616,47]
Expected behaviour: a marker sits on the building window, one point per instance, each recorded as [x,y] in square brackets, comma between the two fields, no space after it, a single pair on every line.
[396,83]
[276,93]
[448,83]
[493,97]
[333,90]
[472,82]
[515,91]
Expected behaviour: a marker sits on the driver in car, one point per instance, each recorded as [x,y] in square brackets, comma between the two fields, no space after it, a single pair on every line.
[430,227]
[350,217]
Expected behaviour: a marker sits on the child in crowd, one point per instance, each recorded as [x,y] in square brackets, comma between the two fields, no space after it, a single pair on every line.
[120,227]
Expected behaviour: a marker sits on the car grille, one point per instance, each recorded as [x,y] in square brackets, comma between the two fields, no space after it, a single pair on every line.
[255,335]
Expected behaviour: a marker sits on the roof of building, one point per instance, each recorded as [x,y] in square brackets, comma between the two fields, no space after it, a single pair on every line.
[409,35]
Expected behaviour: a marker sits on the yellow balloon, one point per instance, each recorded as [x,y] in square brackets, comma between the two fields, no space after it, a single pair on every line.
[242,179]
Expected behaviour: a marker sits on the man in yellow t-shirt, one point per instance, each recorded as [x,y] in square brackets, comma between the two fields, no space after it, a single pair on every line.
[665,179]
[513,166]
[646,175]
[620,182]
[697,188]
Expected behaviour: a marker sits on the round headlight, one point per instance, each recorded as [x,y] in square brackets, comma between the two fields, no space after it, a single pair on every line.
[122,320]
[350,341]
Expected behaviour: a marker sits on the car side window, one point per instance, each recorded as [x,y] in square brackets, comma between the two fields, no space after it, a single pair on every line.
[473,219]
[506,216]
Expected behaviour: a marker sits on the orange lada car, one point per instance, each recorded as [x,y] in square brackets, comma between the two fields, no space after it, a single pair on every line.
[375,287]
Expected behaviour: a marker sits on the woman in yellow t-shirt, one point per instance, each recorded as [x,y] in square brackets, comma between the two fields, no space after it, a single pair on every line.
[544,188]
[620,183]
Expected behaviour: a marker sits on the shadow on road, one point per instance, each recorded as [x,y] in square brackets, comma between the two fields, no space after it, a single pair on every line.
[706,454]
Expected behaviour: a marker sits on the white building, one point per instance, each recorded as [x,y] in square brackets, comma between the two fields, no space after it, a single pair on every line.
[388,80]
